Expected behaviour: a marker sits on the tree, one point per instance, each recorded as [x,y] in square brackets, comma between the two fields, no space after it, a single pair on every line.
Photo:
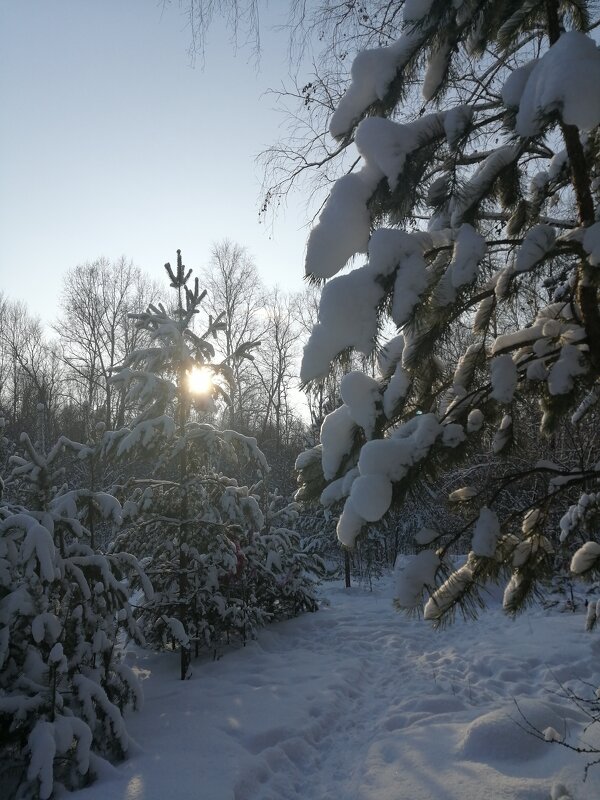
[96,333]
[332,33]
[63,686]
[219,565]
[274,367]
[241,18]
[499,158]
[30,368]
[237,295]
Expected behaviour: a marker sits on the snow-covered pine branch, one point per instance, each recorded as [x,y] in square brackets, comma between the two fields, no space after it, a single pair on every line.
[495,297]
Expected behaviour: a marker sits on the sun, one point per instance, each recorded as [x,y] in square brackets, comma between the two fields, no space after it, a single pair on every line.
[200,380]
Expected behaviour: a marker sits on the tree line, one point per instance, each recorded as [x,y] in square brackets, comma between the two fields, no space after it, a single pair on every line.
[67,365]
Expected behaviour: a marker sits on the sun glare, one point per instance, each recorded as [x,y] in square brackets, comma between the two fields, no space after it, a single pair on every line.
[200,380]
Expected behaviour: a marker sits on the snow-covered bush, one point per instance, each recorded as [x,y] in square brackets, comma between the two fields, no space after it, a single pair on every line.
[216,568]
[63,685]
[501,160]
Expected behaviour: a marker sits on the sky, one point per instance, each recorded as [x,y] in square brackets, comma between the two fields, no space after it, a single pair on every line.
[113,144]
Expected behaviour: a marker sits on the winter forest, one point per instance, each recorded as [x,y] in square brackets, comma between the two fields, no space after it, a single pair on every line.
[342,542]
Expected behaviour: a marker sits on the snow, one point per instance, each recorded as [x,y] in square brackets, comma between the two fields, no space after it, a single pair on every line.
[344,224]
[562,372]
[332,493]
[371,496]
[396,390]
[463,374]
[486,533]
[469,249]
[453,434]
[437,67]
[360,393]
[477,186]
[446,595]
[372,72]
[413,575]
[456,122]
[145,433]
[349,524]
[385,145]
[511,340]
[337,438]
[558,162]
[411,282]
[575,515]
[475,420]
[307,457]
[348,307]
[536,244]
[358,701]
[591,243]
[415,10]
[389,355]
[347,318]
[462,494]
[38,541]
[504,378]
[381,461]
[585,557]
[43,749]
[394,456]
[503,435]
[495,732]
[513,88]
[566,80]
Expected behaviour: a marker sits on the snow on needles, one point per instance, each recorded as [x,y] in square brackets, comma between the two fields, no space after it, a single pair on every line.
[415,10]
[371,496]
[348,307]
[536,244]
[413,575]
[565,79]
[387,144]
[386,460]
[504,378]
[372,72]
[361,393]
[486,533]
[344,224]
[469,249]
[337,437]
[347,318]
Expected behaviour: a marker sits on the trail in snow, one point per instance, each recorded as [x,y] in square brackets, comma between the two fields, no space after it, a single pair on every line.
[356,702]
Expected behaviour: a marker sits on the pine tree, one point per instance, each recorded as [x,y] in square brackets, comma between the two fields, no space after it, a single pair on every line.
[201,535]
[63,685]
[478,216]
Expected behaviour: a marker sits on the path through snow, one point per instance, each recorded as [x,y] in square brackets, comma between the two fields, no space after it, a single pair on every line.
[356,702]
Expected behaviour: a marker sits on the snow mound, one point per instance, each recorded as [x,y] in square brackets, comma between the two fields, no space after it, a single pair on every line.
[500,734]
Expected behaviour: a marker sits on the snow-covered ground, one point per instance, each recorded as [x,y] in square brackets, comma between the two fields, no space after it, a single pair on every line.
[356,702]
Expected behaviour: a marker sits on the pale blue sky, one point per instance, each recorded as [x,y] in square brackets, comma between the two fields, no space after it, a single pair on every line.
[112,144]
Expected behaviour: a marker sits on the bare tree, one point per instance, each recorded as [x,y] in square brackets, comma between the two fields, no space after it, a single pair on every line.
[30,369]
[276,368]
[242,19]
[237,292]
[96,332]
[306,155]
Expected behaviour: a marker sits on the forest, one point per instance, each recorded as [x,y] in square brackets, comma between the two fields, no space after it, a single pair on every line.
[184,463]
